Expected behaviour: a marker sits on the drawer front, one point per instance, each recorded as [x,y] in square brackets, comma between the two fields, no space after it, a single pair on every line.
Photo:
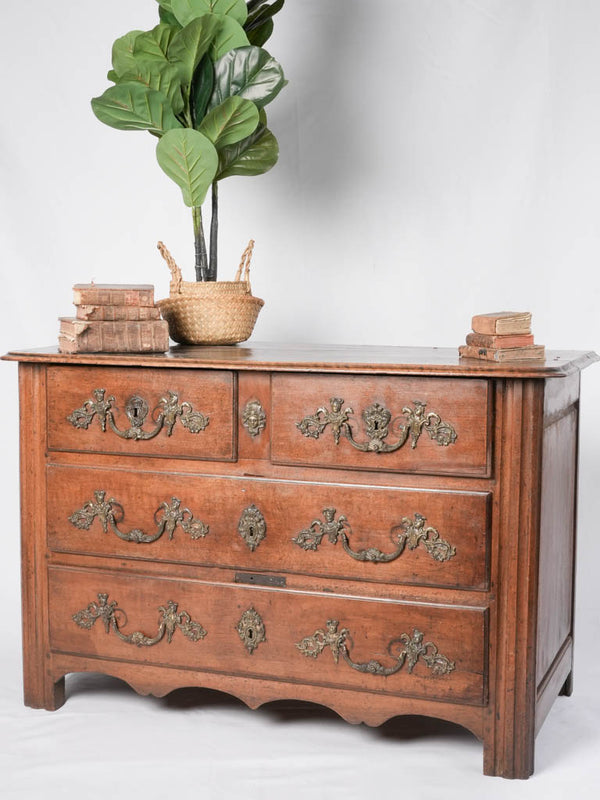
[362,533]
[386,647]
[421,425]
[150,412]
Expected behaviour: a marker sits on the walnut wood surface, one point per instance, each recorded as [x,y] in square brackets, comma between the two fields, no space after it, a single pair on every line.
[462,403]
[501,608]
[358,359]
[214,396]
[457,632]
[461,518]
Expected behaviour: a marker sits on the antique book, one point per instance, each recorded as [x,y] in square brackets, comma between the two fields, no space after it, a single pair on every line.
[491,340]
[535,351]
[97,312]
[113,294]
[123,336]
[502,322]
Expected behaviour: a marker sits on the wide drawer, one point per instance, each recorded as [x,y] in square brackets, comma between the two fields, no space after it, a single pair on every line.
[150,412]
[363,533]
[380,646]
[399,424]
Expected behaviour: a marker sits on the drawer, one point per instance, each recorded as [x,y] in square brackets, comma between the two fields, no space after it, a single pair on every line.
[362,533]
[150,412]
[386,647]
[398,424]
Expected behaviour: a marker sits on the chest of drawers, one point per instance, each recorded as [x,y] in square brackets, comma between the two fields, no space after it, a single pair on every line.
[381,530]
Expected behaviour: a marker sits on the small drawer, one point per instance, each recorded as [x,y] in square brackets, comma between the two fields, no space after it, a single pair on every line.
[150,412]
[388,647]
[396,536]
[396,424]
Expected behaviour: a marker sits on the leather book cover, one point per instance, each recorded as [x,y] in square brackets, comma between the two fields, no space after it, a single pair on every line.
[502,322]
[113,294]
[502,341]
[125,336]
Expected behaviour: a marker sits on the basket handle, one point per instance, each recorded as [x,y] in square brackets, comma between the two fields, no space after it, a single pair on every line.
[244,266]
[176,276]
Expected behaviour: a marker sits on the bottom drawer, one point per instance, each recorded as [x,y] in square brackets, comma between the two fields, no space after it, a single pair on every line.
[389,647]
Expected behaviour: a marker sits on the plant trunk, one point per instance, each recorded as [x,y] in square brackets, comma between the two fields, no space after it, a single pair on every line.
[214,233]
[200,245]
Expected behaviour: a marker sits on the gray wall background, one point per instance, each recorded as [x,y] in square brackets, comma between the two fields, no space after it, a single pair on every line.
[439,158]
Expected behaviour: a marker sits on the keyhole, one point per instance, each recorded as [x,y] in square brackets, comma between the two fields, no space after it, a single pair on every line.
[250,633]
[251,531]
[376,425]
[136,412]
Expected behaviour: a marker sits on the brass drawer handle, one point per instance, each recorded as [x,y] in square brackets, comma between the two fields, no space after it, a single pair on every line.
[377,419]
[412,650]
[114,618]
[166,414]
[410,533]
[168,516]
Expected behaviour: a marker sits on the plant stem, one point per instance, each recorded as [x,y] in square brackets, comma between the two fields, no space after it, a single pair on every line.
[214,233]
[200,245]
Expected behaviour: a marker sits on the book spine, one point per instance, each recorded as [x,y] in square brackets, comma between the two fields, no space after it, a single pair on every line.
[119,337]
[115,313]
[94,296]
[509,354]
[490,340]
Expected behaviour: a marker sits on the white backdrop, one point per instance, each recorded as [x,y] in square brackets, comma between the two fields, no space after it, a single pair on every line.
[438,158]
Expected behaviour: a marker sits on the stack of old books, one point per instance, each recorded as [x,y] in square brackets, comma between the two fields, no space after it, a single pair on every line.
[502,336]
[113,318]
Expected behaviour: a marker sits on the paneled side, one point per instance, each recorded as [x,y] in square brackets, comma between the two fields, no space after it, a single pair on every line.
[557,529]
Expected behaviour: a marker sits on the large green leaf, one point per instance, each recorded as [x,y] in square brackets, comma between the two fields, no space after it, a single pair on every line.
[122,52]
[260,34]
[158,75]
[190,159]
[201,89]
[252,156]
[168,17]
[248,72]
[230,35]
[190,44]
[235,119]
[259,25]
[134,107]
[260,12]
[155,44]
[187,10]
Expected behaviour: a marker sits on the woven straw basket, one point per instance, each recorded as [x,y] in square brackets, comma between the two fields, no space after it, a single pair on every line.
[210,312]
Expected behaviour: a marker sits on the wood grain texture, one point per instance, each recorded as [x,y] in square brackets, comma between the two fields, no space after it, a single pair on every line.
[357,359]
[288,617]
[211,393]
[510,727]
[501,608]
[288,508]
[463,404]
[354,707]
[40,690]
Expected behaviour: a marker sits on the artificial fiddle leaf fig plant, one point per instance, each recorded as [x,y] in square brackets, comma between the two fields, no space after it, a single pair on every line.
[199,81]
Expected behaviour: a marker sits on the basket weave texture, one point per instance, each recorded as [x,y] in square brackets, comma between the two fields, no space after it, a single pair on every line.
[210,312]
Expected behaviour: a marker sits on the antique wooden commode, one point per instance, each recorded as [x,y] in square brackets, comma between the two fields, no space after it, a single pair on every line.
[381,530]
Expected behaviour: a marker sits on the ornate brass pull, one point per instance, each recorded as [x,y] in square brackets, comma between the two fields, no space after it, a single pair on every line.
[114,618]
[254,418]
[166,414]
[412,649]
[377,420]
[168,516]
[410,533]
